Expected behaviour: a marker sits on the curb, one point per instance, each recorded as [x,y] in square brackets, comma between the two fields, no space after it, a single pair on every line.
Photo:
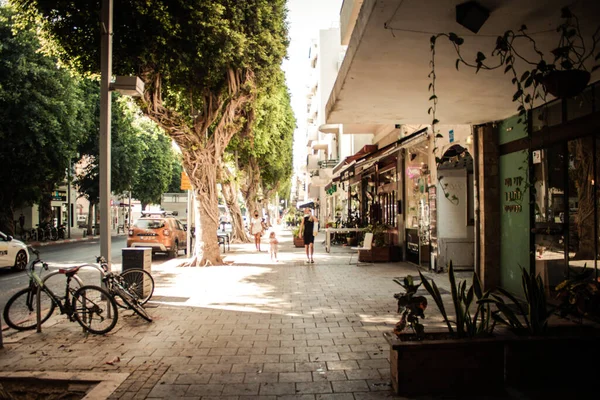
[72,240]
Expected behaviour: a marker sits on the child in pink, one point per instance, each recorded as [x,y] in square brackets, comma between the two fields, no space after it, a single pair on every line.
[273,242]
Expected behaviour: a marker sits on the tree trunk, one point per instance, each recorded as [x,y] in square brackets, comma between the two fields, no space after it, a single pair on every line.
[46,204]
[250,187]
[230,189]
[203,178]
[202,144]
[91,218]
[7,224]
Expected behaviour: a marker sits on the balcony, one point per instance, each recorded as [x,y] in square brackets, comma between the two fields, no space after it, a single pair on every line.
[348,17]
[328,163]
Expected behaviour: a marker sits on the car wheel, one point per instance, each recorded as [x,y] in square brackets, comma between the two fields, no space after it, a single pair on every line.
[20,261]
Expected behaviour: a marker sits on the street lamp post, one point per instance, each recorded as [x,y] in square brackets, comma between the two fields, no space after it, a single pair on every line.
[105,139]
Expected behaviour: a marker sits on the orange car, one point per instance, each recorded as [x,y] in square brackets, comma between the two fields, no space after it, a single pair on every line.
[159,231]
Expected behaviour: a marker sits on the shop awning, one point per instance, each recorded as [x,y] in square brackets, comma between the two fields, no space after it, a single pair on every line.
[365,150]
[309,204]
[390,148]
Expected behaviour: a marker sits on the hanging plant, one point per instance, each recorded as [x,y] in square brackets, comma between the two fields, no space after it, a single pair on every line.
[563,75]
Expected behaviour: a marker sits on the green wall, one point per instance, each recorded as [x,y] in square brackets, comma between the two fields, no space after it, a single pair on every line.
[514,208]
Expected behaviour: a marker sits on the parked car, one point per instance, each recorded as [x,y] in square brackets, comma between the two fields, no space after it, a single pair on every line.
[13,253]
[160,231]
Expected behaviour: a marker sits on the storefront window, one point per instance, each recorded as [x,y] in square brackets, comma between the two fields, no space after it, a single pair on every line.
[566,204]
[386,194]
[417,181]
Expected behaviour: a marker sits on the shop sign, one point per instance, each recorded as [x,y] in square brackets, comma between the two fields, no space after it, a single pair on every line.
[413,172]
[515,195]
[59,195]
[347,174]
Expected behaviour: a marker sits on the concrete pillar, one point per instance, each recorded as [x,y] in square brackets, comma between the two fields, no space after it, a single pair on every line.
[489,206]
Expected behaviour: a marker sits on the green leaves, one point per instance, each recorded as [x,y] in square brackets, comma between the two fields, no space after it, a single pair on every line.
[472,312]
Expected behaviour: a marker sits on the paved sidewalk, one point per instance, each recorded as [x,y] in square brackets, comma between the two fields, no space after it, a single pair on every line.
[253,329]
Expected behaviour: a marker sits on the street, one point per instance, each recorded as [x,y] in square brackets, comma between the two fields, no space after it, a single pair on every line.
[66,255]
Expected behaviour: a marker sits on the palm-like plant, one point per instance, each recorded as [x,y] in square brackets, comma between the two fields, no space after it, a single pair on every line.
[473,314]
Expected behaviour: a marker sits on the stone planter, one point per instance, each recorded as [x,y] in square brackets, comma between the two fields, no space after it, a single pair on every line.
[444,365]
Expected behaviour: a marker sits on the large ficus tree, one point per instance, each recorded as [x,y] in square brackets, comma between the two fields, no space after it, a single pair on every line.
[201,62]
[264,155]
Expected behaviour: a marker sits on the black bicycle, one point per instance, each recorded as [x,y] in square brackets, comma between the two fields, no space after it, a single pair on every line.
[131,289]
[91,306]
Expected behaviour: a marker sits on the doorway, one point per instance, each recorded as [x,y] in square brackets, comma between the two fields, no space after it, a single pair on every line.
[455,210]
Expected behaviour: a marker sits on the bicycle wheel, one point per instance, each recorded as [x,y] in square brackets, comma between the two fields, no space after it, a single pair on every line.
[20,310]
[132,303]
[140,282]
[95,309]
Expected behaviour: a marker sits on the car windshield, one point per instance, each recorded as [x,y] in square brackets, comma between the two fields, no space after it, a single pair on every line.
[149,223]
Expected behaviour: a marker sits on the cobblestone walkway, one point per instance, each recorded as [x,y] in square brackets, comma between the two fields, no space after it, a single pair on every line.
[250,330]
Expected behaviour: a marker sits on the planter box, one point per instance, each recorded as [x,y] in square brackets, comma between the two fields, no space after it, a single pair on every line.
[380,254]
[298,242]
[561,358]
[442,365]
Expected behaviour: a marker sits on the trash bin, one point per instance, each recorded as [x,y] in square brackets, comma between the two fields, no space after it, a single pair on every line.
[138,257]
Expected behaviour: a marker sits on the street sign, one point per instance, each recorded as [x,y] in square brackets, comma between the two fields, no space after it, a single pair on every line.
[185,181]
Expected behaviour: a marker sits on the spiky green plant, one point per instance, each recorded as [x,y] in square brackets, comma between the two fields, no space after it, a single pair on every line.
[473,314]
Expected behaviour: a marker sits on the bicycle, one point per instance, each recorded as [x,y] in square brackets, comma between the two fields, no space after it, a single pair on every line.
[91,306]
[133,287]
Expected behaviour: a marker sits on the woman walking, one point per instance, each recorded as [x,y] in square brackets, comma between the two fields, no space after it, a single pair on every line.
[256,229]
[306,232]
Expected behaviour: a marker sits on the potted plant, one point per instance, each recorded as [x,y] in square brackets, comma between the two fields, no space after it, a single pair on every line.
[298,240]
[411,307]
[579,295]
[381,250]
[465,358]
[562,72]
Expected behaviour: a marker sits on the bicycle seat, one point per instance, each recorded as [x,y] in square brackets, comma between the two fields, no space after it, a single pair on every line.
[70,271]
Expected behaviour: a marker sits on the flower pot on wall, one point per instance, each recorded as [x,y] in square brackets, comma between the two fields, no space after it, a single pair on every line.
[565,83]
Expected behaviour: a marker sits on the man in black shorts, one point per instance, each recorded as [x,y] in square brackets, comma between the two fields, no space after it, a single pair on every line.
[307,233]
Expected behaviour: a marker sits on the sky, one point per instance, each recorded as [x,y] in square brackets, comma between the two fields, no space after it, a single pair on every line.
[305,18]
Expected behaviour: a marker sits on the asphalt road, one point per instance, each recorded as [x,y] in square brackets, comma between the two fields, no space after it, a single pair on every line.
[66,255]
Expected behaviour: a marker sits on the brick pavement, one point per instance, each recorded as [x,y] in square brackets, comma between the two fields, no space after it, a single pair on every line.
[249,330]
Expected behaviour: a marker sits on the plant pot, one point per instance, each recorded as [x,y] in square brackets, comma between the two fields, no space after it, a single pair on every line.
[352,241]
[441,364]
[380,254]
[298,242]
[566,83]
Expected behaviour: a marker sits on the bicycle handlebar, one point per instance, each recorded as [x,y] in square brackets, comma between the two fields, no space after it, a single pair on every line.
[102,261]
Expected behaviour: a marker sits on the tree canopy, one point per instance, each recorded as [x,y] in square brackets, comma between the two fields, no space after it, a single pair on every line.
[41,118]
[202,62]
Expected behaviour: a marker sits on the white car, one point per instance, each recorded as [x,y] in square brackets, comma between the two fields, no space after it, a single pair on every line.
[13,253]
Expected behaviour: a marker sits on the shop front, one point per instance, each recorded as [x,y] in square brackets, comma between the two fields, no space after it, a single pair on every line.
[550,216]
[417,221]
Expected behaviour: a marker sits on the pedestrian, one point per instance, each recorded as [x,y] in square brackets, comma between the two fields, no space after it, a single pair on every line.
[256,229]
[22,223]
[273,245]
[307,226]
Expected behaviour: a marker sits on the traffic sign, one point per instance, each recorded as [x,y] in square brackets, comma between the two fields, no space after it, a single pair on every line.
[185,181]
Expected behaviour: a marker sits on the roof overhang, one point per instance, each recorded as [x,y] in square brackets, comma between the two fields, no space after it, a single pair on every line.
[384,77]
